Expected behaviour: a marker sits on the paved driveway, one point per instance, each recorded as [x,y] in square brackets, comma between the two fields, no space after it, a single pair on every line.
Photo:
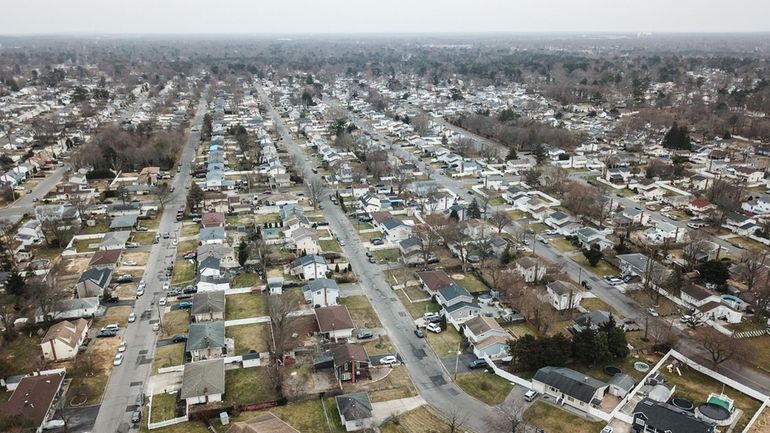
[78,419]
[462,363]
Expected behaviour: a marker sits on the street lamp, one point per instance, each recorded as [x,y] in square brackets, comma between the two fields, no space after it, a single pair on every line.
[457,360]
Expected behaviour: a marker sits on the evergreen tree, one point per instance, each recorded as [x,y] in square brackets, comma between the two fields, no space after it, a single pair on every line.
[473,210]
[678,137]
[593,254]
[454,216]
[583,345]
[243,252]
[505,257]
[511,154]
[617,344]
[15,284]
[540,154]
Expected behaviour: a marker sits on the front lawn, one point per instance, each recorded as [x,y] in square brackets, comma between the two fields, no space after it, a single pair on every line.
[86,245]
[163,407]
[329,246]
[562,245]
[553,419]
[420,420]
[191,229]
[117,315]
[389,255]
[379,346]
[470,282]
[184,272]
[188,245]
[596,304]
[366,237]
[249,385]
[168,356]
[144,238]
[417,309]
[244,306]
[361,311]
[250,338]
[602,269]
[445,343]
[175,322]
[246,279]
[487,387]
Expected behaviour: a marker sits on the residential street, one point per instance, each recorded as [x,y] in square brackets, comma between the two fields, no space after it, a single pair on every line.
[430,378]
[129,379]
[26,204]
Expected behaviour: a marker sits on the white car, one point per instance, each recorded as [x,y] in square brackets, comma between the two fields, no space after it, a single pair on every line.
[122,347]
[607,429]
[140,291]
[118,359]
[615,281]
[387,360]
[156,327]
[652,312]
[132,317]
[129,263]
[166,286]
[342,243]
[162,301]
[175,242]
[432,327]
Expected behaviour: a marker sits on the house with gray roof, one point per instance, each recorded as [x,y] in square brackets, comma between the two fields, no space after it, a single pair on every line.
[212,235]
[93,282]
[321,292]
[569,387]
[594,319]
[206,340]
[203,382]
[652,416]
[355,411]
[123,222]
[114,240]
[309,267]
[453,294]
[209,305]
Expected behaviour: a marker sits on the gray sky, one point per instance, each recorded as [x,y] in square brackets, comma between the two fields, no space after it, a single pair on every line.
[390,16]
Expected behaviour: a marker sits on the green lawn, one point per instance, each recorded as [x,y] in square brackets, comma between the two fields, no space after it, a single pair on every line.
[330,246]
[366,237]
[597,372]
[379,346]
[189,245]
[184,272]
[163,407]
[308,416]
[191,229]
[487,387]
[471,283]
[602,269]
[553,419]
[245,305]
[497,201]
[562,245]
[144,238]
[86,245]
[361,311]
[175,322]
[100,227]
[250,338]
[417,309]
[246,279]
[420,420]
[168,356]
[389,255]
[248,385]
[446,342]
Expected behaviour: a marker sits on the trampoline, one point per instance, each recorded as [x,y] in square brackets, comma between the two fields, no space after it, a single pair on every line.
[714,412]
[683,403]
[611,370]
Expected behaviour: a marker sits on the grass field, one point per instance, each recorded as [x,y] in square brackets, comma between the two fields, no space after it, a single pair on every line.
[379,346]
[596,304]
[487,387]
[389,255]
[366,237]
[19,352]
[184,271]
[168,356]
[117,315]
[553,419]
[329,246]
[563,245]
[361,311]
[249,385]
[144,238]
[308,416]
[417,309]
[602,269]
[472,284]
[189,245]
[163,407]
[249,338]
[191,229]
[446,342]
[394,386]
[244,306]
[86,245]
[246,279]
[420,420]
[175,322]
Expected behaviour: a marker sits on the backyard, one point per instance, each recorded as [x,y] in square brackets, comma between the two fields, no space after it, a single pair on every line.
[389,255]
[602,269]
[246,279]
[420,420]
[470,282]
[308,416]
[361,311]
[250,338]
[244,306]
[184,272]
[163,407]
[248,385]
[553,419]
[168,356]
[487,387]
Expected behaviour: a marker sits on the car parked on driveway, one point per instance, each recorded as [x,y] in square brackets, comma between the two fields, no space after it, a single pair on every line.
[364,335]
[432,327]
[106,333]
[477,363]
[179,338]
[387,360]
[185,305]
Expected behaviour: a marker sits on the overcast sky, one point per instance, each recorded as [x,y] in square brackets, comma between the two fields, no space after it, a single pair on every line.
[389,16]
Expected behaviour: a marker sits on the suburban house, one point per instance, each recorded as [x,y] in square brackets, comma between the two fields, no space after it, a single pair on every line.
[105,258]
[114,240]
[711,305]
[225,254]
[457,305]
[411,250]
[309,267]
[569,387]
[305,240]
[487,337]
[652,416]
[203,382]
[664,232]
[638,264]
[395,230]
[209,305]
[123,222]
[212,235]
[350,362]
[563,295]
[213,219]
[355,411]
[206,340]
[530,269]
[561,222]
[62,340]
[264,422]
[432,281]
[33,399]
[321,292]
[30,233]
[334,322]
[93,282]
[589,236]
[593,319]
[70,309]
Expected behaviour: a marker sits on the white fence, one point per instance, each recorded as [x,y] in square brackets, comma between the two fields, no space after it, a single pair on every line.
[753,393]
[172,369]
[166,423]
[238,290]
[249,321]
[505,375]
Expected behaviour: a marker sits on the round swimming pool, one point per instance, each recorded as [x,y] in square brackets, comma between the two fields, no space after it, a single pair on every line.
[641,366]
[714,412]
[682,403]
[731,298]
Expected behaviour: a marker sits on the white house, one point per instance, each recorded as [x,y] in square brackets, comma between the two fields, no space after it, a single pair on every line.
[321,292]
[487,337]
[563,295]
[63,339]
[355,411]
[309,267]
[530,269]
[306,240]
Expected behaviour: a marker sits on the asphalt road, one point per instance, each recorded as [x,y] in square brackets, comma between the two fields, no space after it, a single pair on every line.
[26,203]
[130,378]
[428,374]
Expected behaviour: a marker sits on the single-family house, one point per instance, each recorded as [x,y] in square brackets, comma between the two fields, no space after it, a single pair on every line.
[355,411]
[69,309]
[652,416]
[664,232]
[123,222]
[203,382]
[563,295]
[33,400]
[351,363]
[395,230]
[411,251]
[589,236]
[213,219]
[321,292]
[105,258]
[63,339]
[206,340]
[305,240]
[530,268]
[334,322]
[569,387]
[487,337]
[309,267]
[212,235]
[432,281]
[593,319]
[453,294]
[93,282]
[114,240]
[209,305]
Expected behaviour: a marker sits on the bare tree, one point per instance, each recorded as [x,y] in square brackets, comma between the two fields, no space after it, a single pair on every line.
[43,293]
[506,418]
[280,308]
[315,189]
[429,240]
[421,124]
[751,267]
[500,219]
[721,347]
[455,420]
[162,193]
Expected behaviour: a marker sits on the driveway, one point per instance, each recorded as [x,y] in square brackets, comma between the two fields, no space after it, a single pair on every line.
[388,409]
[78,419]
[462,363]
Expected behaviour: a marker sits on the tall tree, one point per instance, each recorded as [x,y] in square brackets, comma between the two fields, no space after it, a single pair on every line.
[473,210]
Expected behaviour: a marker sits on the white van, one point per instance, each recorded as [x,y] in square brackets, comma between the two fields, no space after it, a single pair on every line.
[111,327]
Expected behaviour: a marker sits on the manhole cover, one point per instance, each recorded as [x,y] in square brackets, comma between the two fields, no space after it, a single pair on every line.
[143,352]
[139,383]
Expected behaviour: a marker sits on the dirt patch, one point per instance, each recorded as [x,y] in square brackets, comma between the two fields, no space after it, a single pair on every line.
[140,258]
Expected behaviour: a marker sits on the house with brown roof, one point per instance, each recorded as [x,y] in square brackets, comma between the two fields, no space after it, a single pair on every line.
[33,399]
[63,339]
[148,176]
[487,337]
[351,363]
[334,322]
[213,219]
[105,258]
[432,281]
[265,422]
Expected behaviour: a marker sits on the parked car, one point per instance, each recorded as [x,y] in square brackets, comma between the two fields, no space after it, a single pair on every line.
[111,327]
[106,334]
[530,395]
[652,312]
[136,416]
[387,360]
[124,279]
[140,399]
[141,229]
[129,263]
[132,245]
[190,289]
[430,315]
[185,305]
[122,347]
[419,333]
[179,338]
[118,359]
[162,301]
[376,241]
[113,300]
[166,285]
[132,317]
[614,281]
[477,363]
[155,327]
[175,242]
[607,429]
[586,285]
[432,327]
[364,335]
[166,235]
[372,260]
[139,292]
